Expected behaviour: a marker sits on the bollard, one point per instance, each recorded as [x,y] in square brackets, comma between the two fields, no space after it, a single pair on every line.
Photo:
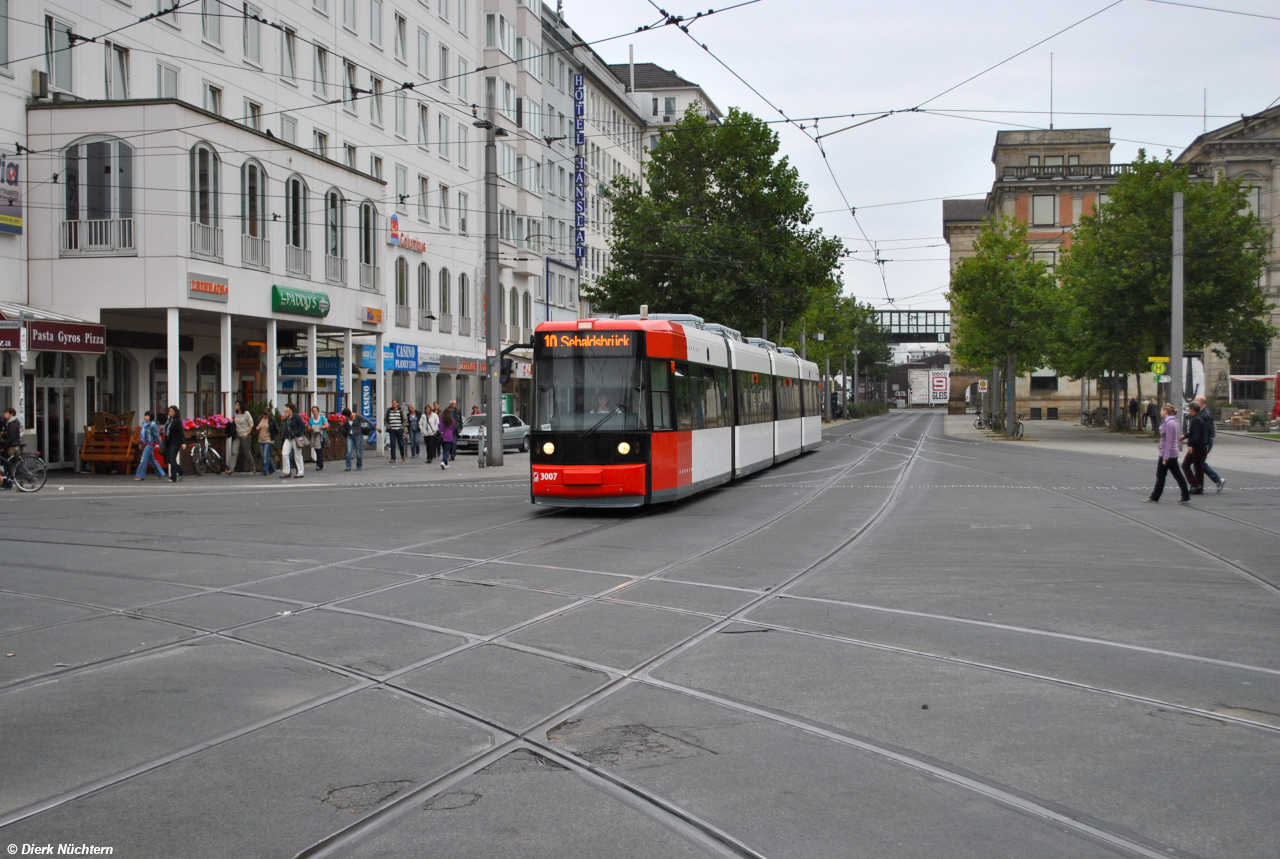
[480,452]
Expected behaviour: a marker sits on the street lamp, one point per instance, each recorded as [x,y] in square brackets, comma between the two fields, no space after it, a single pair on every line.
[856,353]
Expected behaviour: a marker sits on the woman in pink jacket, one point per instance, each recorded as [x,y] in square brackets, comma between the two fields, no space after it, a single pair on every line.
[1168,462]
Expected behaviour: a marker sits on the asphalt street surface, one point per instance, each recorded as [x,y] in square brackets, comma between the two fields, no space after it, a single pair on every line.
[903,644]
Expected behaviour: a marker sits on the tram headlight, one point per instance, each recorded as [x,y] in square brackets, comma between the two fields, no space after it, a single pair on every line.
[624,448]
[548,448]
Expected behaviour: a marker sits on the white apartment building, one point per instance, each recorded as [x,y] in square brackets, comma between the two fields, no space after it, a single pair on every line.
[663,97]
[239,199]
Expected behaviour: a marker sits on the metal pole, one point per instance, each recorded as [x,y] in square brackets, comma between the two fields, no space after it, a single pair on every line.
[1175,335]
[804,344]
[844,386]
[826,392]
[493,411]
[1010,410]
[855,375]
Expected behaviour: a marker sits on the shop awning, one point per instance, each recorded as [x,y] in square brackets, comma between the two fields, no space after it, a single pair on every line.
[52,332]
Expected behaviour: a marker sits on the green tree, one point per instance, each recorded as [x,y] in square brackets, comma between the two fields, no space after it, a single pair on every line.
[845,325]
[1117,275]
[719,230]
[1004,304]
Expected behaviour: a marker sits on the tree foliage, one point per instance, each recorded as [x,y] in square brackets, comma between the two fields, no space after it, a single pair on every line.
[719,229]
[845,325]
[1002,301]
[1117,275]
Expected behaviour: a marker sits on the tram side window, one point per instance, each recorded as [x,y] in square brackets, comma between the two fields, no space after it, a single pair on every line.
[660,388]
[812,405]
[788,397]
[700,394]
[688,406]
[755,397]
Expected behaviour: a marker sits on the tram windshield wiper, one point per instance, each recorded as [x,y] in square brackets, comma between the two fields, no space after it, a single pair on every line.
[613,411]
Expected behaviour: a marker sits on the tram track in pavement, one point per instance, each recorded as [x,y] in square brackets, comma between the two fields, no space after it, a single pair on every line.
[364,681]
[1237,567]
[377,821]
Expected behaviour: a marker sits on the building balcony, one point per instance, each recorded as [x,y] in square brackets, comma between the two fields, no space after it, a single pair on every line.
[446,323]
[464,326]
[368,277]
[335,269]
[255,252]
[402,315]
[297,261]
[502,333]
[1083,171]
[526,335]
[424,320]
[206,241]
[97,237]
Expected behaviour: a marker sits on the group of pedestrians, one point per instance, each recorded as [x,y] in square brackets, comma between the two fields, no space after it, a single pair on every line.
[432,431]
[174,439]
[1199,438]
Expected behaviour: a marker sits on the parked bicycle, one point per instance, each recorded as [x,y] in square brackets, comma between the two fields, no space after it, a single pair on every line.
[27,470]
[204,456]
[1018,428]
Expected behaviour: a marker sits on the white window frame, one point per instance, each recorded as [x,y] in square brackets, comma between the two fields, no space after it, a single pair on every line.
[462,79]
[253,115]
[375,101]
[424,128]
[59,59]
[375,23]
[444,67]
[251,36]
[117,71]
[443,191]
[348,85]
[463,202]
[211,22]
[442,128]
[375,166]
[401,103]
[288,129]
[402,189]
[289,55]
[320,72]
[349,15]
[424,43]
[349,155]
[320,142]
[211,97]
[400,33]
[463,145]
[424,203]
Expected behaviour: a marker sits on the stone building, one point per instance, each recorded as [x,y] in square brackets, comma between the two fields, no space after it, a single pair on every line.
[1248,149]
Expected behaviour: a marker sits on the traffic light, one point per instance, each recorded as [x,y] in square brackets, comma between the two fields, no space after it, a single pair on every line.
[508,367]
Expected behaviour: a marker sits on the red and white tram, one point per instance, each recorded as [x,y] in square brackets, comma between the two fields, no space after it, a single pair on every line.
[636,411]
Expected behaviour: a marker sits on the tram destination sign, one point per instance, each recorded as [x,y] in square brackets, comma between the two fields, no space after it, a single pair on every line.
[595,342]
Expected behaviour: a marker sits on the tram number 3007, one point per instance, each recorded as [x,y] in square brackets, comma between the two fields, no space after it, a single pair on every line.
[545,476]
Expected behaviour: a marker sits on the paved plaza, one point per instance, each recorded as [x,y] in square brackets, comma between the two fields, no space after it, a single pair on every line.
[916,641]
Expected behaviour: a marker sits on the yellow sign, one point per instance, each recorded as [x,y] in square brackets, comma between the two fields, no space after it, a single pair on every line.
[1158,368]
[1153,360]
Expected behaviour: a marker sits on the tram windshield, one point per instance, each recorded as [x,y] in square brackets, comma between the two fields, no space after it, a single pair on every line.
[588,383]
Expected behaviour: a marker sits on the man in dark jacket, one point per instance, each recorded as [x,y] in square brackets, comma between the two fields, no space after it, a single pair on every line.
[1197,438]
[9,441]
[355,429]
[1153,415]
[1218,480]
[294,429]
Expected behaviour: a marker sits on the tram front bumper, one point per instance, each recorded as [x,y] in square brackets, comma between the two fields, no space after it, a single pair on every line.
[615,484]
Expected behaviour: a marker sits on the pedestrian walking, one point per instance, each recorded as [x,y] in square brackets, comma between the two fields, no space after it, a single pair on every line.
[456,414]
[1168,461]
[1197,438]
[294,431]
[1218,481]
[268,429]
[1153,414]
[355,430]
[241,438]
[9,441]
[415,431]
[174,444]
[446,438]
[1133,412]
[149,438]
[394,422]
[431,432]
[318,425]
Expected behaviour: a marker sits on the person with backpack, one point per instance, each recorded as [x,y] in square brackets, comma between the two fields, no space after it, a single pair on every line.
[355,430]
[293,429]
[431,432]
[393,422]
[268,430]
[174,444]
[149,438]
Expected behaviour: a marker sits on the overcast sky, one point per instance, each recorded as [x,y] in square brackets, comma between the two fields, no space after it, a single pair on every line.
[823,57]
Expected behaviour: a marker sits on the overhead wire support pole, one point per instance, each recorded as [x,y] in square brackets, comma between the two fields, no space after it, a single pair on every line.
[493,386]
[1175,334]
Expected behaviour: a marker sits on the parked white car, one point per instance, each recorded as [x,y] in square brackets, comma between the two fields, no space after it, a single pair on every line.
[515,434]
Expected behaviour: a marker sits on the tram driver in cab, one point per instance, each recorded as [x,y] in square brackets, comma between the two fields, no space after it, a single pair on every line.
[602,404]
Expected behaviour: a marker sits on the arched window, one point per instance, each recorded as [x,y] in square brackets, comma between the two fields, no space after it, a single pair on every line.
[442,279]
[295,212]
[402,282]
[446,305]
[515,308]
[463,297]
[368,231]
[424,289]
[204,185]
[253,199]
[334,217]
[99,180]
[527,310]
